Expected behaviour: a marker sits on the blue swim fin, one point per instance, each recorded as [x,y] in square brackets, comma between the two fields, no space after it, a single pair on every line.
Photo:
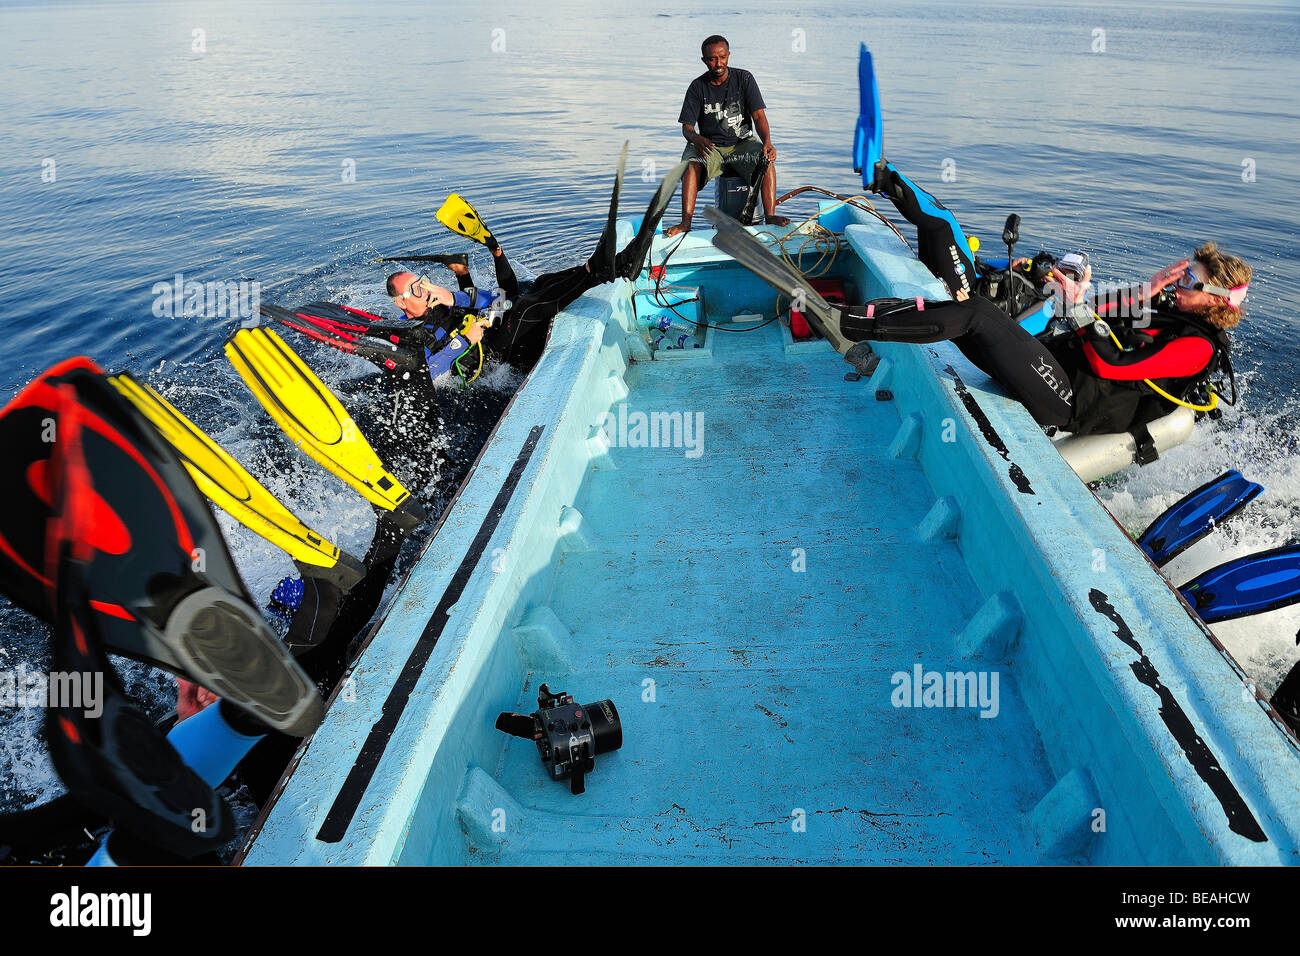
[868,139]
[1195,515]
[1250,585]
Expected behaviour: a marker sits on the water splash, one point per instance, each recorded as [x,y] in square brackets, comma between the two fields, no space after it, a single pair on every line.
[1262,445]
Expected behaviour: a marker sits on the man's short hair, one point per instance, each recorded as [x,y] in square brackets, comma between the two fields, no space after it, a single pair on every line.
[704,47]
[392,286]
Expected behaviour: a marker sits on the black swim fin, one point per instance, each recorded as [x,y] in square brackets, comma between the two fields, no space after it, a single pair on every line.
[1195,515]
[160,580]
[603,262]
[442,258]
[109,754]
[733,239]
[629,263]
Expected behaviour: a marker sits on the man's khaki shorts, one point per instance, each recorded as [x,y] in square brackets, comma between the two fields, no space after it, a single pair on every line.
[740,160]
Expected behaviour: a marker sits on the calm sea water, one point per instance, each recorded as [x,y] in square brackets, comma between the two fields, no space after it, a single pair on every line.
[291,143]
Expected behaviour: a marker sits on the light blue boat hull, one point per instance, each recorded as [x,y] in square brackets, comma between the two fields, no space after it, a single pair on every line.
[755,611]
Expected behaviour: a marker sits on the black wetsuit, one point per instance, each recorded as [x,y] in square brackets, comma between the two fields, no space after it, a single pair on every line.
[1286,699]
[994,344]
[986,335]
[940,242]
[1080,386]
[518,335]
[1171,349]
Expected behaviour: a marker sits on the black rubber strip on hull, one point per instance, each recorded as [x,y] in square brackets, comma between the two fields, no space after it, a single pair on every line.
[345,805]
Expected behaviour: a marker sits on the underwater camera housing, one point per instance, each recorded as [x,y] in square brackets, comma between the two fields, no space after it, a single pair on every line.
[1074,265]
[569,736]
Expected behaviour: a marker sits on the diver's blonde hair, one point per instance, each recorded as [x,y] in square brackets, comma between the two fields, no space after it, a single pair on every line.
[1227,271]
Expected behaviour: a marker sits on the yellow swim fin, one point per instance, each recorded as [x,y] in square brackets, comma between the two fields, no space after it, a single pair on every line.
[310,414]
[233,489]
[459,216]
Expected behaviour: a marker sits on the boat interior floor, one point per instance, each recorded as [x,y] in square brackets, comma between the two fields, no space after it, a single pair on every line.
[747,610]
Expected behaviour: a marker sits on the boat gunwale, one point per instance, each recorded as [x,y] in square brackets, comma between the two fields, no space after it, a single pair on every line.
[981,389]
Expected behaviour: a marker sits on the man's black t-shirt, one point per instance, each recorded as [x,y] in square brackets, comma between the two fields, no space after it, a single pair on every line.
[723,112]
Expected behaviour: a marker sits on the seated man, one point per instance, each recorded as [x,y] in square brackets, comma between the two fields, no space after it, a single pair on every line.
[727,107]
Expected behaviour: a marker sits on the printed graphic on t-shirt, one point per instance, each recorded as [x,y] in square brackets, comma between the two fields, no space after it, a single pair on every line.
[729,115]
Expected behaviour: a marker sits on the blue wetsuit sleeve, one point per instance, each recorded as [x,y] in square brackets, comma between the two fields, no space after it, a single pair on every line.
[441,360]
[210,745]
[482,299]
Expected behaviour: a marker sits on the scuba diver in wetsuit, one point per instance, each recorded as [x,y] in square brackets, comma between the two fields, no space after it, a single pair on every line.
[1137,353]
[110,541]
[512,324]
[440,327]
[145,782]
[1078,386]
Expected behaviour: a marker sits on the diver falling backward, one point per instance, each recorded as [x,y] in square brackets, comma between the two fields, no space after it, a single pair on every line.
[1189,304]
[1057,391]
[1085,382]
[115,547]
[111,542]
[441,327]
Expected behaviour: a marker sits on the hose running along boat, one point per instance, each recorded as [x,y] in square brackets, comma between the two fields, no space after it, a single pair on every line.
[828,617]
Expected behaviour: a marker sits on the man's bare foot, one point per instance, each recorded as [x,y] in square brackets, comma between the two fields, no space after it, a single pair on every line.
[677,230]
[777,220]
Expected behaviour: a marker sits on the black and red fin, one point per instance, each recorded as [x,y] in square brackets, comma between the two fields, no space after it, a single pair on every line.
[110,755]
